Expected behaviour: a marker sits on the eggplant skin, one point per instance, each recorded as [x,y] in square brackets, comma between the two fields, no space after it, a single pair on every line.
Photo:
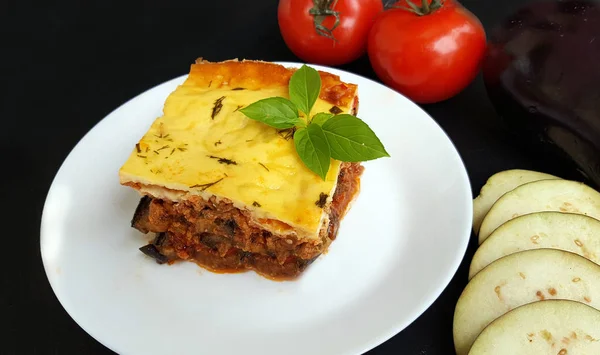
[542,75]
[152,251]
[140,216]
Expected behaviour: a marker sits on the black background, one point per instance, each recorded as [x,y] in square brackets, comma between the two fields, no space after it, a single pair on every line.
[67,64]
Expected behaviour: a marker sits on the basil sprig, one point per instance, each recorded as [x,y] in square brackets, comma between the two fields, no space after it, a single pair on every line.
[275,111]
[324,136]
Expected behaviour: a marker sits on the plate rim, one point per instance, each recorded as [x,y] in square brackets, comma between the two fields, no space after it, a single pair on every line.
[395,327]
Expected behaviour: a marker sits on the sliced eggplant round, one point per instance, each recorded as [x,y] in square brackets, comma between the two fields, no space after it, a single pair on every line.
[499,184]
[566,231]
[518,279]
[544,195]
[553,327]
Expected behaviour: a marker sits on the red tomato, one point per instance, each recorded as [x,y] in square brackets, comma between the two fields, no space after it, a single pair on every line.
[428,58]
[298,20]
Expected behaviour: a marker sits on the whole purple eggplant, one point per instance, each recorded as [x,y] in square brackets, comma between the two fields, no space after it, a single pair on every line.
[542,74]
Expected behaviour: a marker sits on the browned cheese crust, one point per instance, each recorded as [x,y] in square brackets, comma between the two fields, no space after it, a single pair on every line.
[256,75]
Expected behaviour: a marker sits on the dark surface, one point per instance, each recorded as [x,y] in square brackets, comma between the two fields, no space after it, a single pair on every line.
[67,64]
[549,104]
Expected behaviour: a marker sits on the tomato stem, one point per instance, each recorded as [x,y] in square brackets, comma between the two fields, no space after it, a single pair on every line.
[426,7]
[320,11]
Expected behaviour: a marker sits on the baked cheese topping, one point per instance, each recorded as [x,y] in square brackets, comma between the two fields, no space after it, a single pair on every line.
[203,145]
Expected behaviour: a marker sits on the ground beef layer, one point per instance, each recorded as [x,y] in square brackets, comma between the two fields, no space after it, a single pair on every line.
[222,238]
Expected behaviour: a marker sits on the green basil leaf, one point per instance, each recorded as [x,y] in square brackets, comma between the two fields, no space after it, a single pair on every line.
[313,149]
[321,118]
[275,111]
[352,140]
[304,88]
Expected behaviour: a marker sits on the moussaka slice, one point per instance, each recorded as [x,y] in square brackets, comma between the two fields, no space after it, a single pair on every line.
[231,193]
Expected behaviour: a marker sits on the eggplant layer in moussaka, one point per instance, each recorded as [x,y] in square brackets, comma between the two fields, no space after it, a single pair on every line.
[231,193]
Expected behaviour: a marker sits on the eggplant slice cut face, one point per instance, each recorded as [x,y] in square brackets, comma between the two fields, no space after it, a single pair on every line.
[557,327]
[522,278]
[499,184]
[566,231]
[544,195]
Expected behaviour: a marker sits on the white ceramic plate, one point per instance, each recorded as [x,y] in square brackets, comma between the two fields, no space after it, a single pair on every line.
[396,250]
